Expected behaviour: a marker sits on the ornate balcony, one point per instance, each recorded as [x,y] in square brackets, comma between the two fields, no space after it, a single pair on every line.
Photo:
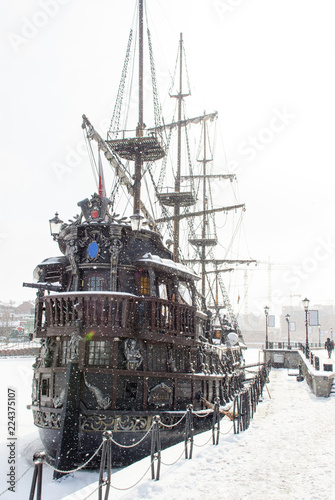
[112,314]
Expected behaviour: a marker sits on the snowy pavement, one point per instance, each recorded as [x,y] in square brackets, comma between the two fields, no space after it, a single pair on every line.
[287,452]
[322,354]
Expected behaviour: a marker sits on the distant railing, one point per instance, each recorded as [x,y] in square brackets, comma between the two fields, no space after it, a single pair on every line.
[27,348]
[293,345]
[114,311]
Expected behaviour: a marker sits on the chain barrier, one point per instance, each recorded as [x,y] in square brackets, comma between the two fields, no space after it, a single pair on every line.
[177,460]
[133,485]
[225,433]
[245,403]
[135,444]
[92,492]
[78,468]
[174,425]
[244,407]
[202,415]
[202,445]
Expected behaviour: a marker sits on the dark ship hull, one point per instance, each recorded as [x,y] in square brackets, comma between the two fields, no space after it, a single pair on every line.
[89,441]
[166,369]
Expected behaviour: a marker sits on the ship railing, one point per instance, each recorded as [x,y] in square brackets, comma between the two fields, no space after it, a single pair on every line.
[114,311]
[163,316]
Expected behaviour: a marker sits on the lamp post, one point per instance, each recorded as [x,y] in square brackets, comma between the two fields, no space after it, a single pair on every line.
[266,310]
[287,317]
[55,226]
[306,304]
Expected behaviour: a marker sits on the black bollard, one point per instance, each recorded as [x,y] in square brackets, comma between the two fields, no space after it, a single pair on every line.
[189,432]
[236,415]
[38,459]
[216,422]
[106,456]
[155,448]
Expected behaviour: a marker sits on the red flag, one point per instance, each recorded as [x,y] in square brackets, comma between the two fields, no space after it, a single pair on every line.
[102,187]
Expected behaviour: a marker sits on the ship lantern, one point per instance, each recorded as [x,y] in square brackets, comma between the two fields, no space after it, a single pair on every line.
[136,222]
[55,226]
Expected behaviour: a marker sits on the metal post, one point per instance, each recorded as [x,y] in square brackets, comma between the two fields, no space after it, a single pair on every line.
[216,422]
[106,455]
[266,311]
[155,448]
[287,317]
[306,304]
[189,432]
[236,414]
[242,412]
[307,343]
[38,459]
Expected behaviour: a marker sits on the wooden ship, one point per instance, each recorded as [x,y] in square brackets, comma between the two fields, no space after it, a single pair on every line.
[128,330]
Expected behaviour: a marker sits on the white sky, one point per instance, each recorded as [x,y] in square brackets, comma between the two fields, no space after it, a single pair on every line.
[254,61]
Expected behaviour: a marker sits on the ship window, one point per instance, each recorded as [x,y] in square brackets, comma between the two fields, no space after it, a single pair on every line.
[145,284]
[180,359]
[45,387]
[95,284]
[185,296]
[64,353]
[157,358]
[130,391]
[163,291]
[98,353]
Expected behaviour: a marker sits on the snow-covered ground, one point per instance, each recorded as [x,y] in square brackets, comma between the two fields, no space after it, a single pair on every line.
[287,452]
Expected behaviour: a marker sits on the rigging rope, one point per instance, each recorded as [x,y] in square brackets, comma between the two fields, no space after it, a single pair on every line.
[92,161]
[187,77]
[157,107]
[115,121]
[175,72]
[164,162]
[163,208]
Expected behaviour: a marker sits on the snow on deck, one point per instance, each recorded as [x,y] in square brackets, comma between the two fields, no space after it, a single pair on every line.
[287,452]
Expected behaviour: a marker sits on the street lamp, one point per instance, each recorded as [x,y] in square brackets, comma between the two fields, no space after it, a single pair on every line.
[306,304]
[287,317]
[266,310]
[55,226]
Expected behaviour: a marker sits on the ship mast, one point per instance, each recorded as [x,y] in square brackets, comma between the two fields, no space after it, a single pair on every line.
[139,128]
[204,162]
[145,146]
[179,97]
[178,199]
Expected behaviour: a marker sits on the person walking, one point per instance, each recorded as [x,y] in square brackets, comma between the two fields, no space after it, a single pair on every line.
[329,345]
